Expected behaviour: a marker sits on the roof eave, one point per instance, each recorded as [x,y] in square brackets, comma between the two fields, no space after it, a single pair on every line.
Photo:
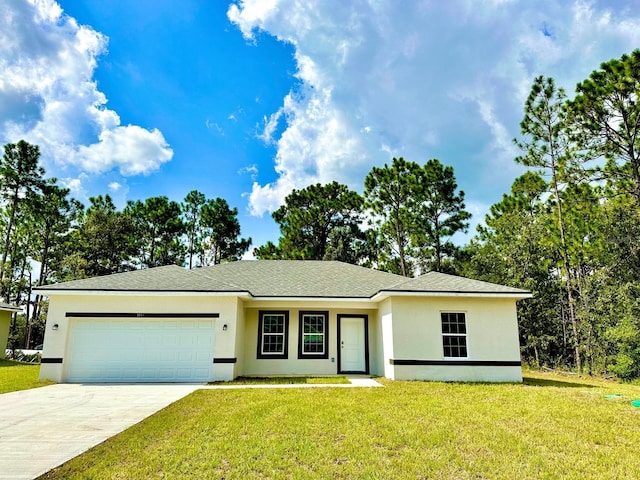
[302,298]
[132,292]
[384,294]
[10,309]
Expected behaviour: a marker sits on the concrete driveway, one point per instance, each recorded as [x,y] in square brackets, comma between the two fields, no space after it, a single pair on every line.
[44,427]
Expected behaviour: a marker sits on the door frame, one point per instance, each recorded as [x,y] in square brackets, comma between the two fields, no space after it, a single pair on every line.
[365,317]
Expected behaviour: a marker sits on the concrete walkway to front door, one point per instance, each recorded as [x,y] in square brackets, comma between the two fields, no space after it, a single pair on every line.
[44,427]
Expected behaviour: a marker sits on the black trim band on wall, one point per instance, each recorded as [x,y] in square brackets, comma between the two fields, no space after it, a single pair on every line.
[50,360]
[140,315]
[225,360]
[474,363]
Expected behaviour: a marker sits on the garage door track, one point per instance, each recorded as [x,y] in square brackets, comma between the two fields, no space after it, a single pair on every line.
[44,427]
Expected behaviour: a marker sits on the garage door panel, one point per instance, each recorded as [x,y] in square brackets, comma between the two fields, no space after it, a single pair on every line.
[140,350]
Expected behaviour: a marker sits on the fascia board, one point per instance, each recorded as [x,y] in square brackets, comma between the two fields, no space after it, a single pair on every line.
[150,293]
[310,299]
[384,294]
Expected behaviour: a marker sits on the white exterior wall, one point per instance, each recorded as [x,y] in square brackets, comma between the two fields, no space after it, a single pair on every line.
[376,345]
[240,347]
[385,318]
[56,341]
[492,335]
[254,366]
[399,328]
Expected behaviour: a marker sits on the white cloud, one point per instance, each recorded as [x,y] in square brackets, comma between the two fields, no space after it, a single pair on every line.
[214,126]
[251,169]
[48,95]
[75,186]
[420,79]
[133,149]
[114,186]
[270,126]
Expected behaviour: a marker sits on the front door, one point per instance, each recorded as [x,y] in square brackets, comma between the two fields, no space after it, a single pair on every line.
[352,344]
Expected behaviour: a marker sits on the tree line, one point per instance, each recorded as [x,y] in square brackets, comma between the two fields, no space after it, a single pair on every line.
[403,222]
[568,230]
[45,230]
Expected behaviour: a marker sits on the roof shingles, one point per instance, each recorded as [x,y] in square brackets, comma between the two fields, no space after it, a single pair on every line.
[281,278]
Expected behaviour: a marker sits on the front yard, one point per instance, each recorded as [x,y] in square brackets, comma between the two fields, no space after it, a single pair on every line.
[550,427]
[19,376]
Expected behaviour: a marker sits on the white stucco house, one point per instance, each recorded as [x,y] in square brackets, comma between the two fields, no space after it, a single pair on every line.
[267,318]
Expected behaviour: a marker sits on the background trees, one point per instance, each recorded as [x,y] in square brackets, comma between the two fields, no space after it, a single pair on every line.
[158,227]
[416,211]
[390,194]
[413,210]
[440,215]
[605,117]
[101,244]
[319,222]
[220,241]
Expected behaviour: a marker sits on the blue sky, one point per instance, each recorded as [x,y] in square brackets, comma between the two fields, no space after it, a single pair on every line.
[248,99]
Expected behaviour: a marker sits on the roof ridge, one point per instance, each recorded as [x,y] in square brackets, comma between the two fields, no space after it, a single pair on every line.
[201,273]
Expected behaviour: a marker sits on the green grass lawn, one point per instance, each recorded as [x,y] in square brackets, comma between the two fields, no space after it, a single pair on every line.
[19,376]
[550,427]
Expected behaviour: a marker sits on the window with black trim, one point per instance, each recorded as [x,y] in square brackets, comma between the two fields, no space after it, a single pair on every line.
[273,334]
[454,334]
[313,335]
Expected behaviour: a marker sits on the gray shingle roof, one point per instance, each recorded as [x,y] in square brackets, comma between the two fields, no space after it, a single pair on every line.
[442,282]
[170,278]
[281,278]
[295,278]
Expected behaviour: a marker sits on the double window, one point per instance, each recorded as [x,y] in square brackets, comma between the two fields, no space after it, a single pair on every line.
[313,335]
[273,335]
[454,334]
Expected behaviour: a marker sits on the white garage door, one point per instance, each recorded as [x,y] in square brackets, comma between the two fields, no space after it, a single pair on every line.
[140,350]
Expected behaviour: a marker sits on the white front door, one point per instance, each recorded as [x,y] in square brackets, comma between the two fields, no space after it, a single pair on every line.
[353,352]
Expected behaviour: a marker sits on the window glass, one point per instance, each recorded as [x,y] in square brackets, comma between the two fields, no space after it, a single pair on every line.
[454,334]
[313,334]
[272,342]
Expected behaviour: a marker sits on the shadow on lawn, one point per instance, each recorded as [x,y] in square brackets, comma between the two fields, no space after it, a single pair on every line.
[13,363]
[538,382]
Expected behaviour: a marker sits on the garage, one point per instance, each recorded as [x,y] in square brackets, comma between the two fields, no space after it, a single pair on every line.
[136,348]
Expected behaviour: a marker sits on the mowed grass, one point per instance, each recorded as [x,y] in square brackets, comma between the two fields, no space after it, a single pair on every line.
[19,376]
[549,427]
[285,381]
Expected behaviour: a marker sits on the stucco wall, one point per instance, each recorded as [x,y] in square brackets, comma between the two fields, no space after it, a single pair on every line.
[492,335]
[400,328]
[458,373]
[385,320]
[239,339]
[56,341]
[292,365]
